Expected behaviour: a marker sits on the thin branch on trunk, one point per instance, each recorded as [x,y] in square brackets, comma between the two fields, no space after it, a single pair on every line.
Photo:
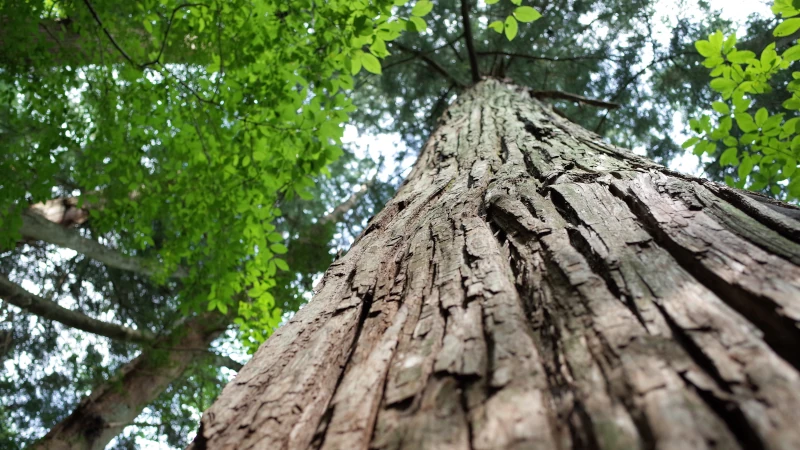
[473,57]
[432,63]
[543,58]
[15,295]
[38,227]
[574,98]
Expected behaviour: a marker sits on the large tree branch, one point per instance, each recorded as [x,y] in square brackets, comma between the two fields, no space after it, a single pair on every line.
[115,404]
[36,226]
[17,296]
[473,57]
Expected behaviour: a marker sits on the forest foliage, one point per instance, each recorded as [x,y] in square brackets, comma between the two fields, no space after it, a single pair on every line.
[759,142]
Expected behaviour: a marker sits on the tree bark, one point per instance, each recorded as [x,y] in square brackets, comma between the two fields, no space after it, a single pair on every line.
[115,404]
[531,286]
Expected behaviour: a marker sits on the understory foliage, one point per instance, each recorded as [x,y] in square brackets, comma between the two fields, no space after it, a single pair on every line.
[761,143]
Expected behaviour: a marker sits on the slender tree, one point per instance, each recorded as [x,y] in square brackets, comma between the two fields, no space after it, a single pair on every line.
[532,286]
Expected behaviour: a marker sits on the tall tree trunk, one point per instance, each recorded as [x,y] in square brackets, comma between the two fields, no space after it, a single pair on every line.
[115,404]
[531,286]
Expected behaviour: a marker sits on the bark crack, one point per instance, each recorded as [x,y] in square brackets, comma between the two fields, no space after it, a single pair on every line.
[780,332]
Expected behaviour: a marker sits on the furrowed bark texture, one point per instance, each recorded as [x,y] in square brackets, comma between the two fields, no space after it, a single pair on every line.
[531,286]
[114,405]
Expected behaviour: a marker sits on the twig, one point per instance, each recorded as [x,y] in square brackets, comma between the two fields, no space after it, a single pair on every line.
[473,57]
[633,78]
[575,98]
[166,33]
[105,30]
[433,64]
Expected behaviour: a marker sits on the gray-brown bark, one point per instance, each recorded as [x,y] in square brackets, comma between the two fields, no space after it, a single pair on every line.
[115,404]
[531,286]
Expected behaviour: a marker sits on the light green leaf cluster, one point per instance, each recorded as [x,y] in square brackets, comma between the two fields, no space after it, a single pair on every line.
[764,147]
[193,131]
[510,26]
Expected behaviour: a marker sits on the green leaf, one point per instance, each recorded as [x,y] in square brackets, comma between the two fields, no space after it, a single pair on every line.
[761,116]
[721,107]
[690,142]
[716,40]
[786,8]
[772,122]
[713,62]
[422,8]
[497,26]
[371,63]
[511,27]
[281,264]
[745,122]
[730,141]
[355,62]
[417,24]
[705,48]
[730,157]
[729,43]
[745,167]
[278,248]
[723,85]
[787,27]
[526,14]
[790,126]
[792,104]
[729,180]
[792,53]
[378,48]
[789,167]
[516,2]
[491,2]
[740,56]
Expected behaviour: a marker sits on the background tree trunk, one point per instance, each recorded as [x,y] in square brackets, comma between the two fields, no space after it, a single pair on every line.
[531,286]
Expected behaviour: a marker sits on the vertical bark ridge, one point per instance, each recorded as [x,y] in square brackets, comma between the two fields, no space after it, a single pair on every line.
[531,286]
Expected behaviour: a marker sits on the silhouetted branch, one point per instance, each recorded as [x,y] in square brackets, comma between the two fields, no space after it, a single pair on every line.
[473,58]
[432,63]
[543,58]
[574,98]
[16,295]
